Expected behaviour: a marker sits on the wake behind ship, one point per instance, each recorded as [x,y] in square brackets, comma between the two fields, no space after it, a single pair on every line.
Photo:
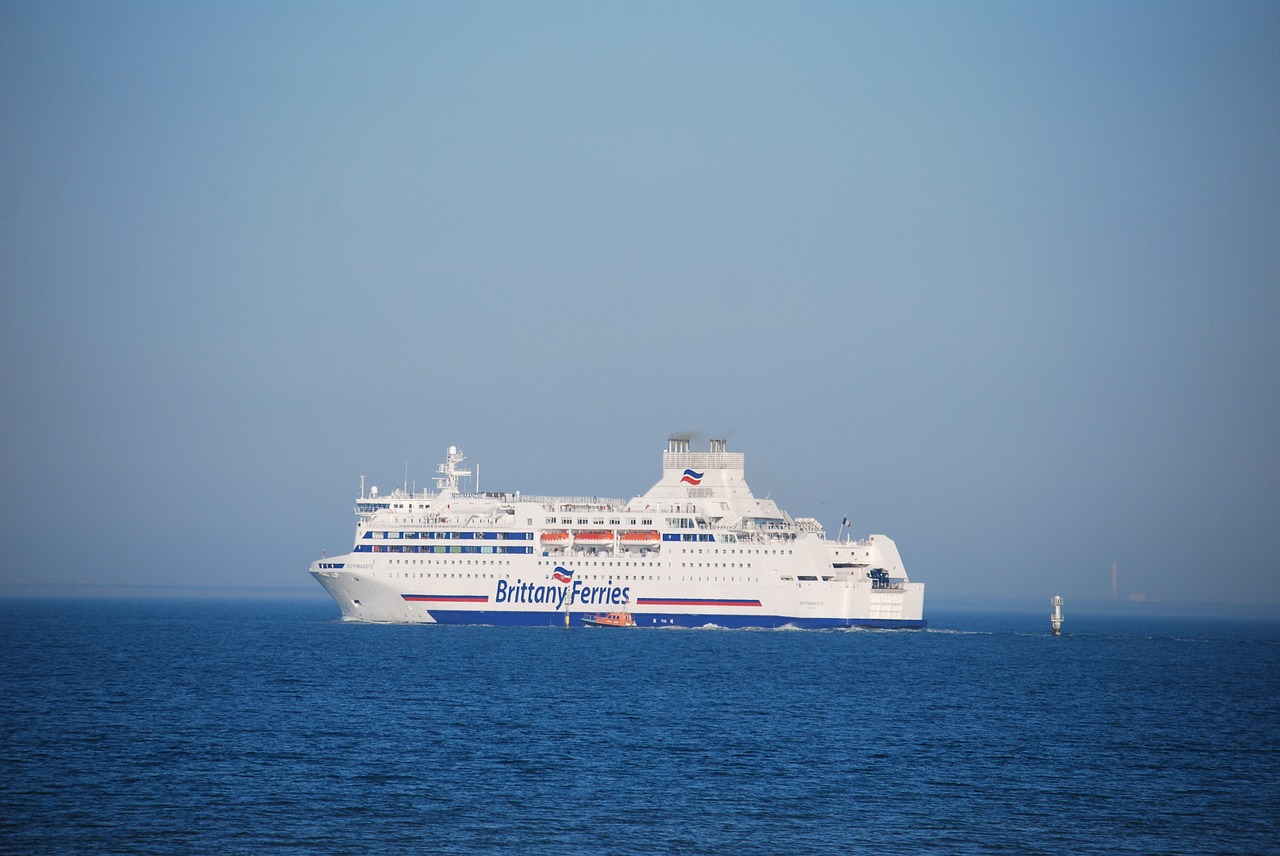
[697,549]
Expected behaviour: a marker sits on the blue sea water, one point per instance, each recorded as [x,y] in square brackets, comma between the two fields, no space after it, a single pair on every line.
[184,726]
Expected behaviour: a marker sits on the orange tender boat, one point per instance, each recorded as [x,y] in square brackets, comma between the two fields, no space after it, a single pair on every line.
[610,619]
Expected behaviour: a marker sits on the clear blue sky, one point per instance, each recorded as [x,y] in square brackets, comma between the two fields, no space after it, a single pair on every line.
[999,280]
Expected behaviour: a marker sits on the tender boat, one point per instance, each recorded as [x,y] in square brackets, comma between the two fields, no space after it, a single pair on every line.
[610,619]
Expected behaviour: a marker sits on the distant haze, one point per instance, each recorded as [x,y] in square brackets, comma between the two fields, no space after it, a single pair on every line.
[998,280]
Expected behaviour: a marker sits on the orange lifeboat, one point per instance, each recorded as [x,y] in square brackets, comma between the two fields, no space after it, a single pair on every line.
[593,539]
[641,539]
[555,539]
[610,619]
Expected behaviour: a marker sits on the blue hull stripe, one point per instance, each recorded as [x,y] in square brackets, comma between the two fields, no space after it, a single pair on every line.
[506,618]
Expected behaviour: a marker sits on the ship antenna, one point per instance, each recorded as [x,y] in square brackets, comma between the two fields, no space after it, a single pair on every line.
[447,481]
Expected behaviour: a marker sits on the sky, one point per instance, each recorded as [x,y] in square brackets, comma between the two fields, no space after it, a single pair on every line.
[999,280]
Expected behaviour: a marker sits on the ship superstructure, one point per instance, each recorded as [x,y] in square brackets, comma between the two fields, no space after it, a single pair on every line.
[697,549]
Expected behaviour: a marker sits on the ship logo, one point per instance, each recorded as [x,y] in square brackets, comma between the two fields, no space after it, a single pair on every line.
[692,477]
[562,575]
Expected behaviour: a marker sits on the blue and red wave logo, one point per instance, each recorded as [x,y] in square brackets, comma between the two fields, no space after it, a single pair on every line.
[562,575]
[692,477]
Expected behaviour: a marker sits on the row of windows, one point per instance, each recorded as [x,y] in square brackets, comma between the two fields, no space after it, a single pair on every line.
[516,536]
[438,575]
[598,563]
[599,521]
[591,564]
[412,575]
[608,564]
[486,549]
[452,562]
[452,536]
[437,548]
[744,552]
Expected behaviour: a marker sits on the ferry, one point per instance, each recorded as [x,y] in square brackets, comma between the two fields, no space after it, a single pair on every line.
[698,549]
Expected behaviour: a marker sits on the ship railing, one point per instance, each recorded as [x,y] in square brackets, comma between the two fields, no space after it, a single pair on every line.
[848,542]
[575,504]
[769,526]
[761,536]
[663,508]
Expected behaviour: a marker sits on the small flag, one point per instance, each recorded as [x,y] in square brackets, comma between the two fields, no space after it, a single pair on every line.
[562,575]
[846,523]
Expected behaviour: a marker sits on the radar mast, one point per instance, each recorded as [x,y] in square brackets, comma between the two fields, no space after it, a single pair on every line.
[447,481]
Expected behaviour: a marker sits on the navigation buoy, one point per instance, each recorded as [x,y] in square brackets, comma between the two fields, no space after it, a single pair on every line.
[1056,618]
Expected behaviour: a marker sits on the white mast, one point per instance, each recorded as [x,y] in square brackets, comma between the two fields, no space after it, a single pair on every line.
[447,481]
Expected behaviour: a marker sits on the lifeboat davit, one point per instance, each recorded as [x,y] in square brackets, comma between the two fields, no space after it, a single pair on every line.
[593,539]
[555,539]
[641,539]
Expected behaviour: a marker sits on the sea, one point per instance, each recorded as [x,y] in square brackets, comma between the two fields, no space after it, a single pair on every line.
[245,726]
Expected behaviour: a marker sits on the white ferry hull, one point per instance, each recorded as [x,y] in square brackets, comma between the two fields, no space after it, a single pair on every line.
[362,598]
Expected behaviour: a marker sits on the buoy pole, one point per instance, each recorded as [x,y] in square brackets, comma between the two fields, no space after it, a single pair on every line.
[1056,618]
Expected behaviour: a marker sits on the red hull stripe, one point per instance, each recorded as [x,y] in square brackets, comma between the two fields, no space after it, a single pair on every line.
[691,601]
[448,598]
